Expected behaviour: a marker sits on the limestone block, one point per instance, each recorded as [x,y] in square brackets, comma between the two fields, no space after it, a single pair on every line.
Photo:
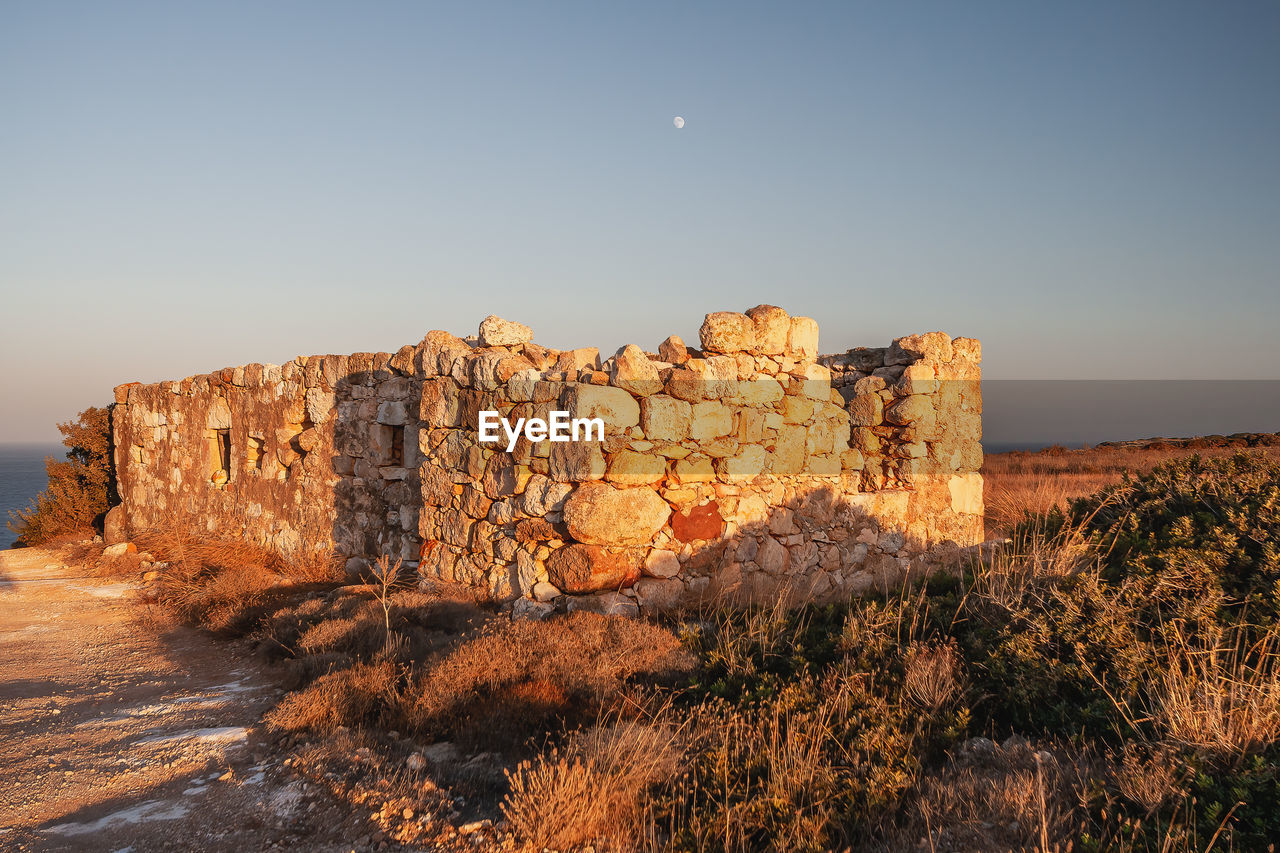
[918,378]
[572,361]
[748,464]
[529,610]
[655,594]
[606,604]
[694,470]
[575,461]
[113,526]
[869,385]
[390,412]
[219,416]
[727,332]
[629,468]
[789,450]
[710,420]
[852,460]
[815,382]
[437,487]
[772,556]
[497,332]
[673,351]
[822,437]
[579,568]
[750,426]
[474,502]
[597,513]
[909,410]
[615,406]
[966,493]
[772,329]
[440,403]
[760,391]
[522,385]
[427,355]
[499,479]
[543,495]
[967,349]
[714,378]
[802,338]
[797,410]
[661,563]
[634,372]
[544,591]
[935,347]
[665,418]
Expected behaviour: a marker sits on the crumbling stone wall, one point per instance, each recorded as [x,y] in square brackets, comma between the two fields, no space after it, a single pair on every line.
[242,452]
[751,467]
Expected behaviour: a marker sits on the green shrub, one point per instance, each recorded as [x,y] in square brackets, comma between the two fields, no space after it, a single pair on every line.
[1195,541]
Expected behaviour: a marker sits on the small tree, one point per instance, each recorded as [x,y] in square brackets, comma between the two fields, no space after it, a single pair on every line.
[386,576]
[80,489]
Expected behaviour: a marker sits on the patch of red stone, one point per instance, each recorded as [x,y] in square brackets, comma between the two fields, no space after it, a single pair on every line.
[700,522]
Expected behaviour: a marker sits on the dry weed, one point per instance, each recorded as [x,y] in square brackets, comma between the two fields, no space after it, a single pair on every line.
[1035,555]
[932,676]
[359,694]
[1223,701]
[483,685]
[591,791]
[1014,797]
[1150,780]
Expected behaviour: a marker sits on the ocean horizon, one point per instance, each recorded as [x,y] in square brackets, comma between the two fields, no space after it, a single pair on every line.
[22,477]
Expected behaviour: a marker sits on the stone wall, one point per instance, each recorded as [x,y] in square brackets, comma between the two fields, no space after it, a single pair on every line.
[750,468]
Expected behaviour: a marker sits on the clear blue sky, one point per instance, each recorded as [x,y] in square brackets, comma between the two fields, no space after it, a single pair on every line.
[1091,188]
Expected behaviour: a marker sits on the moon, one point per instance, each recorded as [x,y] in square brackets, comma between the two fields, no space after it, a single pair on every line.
[678,122]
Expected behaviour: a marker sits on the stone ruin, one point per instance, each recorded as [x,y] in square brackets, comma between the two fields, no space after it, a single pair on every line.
[748,469]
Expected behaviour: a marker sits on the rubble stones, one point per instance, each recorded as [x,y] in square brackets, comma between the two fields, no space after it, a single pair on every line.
[497,332]
[633,371]
[673,351]
[727,332]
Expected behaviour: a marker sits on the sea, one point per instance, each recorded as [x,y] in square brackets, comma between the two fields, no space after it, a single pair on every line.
[22,477]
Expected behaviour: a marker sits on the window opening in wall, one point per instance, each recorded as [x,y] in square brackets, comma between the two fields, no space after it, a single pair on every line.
[396,455]
[219,441]
[386,445]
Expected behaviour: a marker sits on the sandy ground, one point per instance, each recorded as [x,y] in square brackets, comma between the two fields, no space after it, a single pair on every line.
[118,736]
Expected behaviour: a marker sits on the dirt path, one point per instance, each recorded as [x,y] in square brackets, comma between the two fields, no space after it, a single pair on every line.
[118,737]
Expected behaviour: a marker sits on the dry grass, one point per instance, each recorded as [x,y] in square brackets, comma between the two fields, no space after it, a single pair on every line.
[360,694]
[1017,484]
[1222,701]
[932,677]
[1010,798]
[227,585]
[516,679]
[1034,557]
[775,775]
[1150,780]
[593,790]
[457,672]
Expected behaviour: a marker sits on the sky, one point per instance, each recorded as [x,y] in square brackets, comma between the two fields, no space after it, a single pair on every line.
[1091,188]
